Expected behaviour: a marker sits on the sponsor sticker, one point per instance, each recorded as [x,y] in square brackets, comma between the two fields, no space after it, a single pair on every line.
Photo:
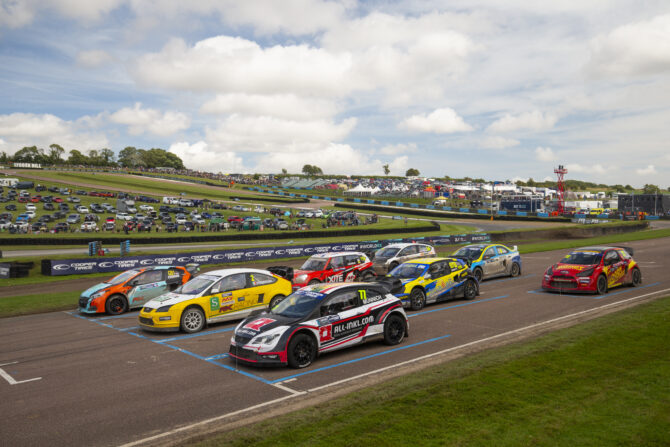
[257,324]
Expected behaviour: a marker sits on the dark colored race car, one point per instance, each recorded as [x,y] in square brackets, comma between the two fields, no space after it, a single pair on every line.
[343,266]
[317,319]
[593,270]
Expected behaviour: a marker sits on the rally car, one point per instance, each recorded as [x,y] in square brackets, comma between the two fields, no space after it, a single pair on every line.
[316,319]
[333,267]
[219,295]
[132,288]
[429,280]
[391,256]
[490,260]
[593,269]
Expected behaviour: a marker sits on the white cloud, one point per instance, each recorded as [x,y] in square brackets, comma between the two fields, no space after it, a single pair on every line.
[203,157]
[289,106]
[639,48]
[395,149]
[399,166]
[649,170]
[15,14]
[534,120]
[544,154]
[497,142]
[576,168]
[439,121]
[93,58]
[141,120]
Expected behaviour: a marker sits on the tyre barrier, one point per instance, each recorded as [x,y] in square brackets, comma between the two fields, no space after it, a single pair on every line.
[15,269]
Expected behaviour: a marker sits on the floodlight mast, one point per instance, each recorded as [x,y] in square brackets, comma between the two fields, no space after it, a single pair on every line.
[560,188]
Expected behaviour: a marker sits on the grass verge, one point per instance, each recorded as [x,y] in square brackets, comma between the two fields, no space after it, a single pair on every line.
[601,383]
[31,304]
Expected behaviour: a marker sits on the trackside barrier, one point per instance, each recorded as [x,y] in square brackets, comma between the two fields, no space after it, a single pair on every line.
[61,267]
[482,211]
[542,214]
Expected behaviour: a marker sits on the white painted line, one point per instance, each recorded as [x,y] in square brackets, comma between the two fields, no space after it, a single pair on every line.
[291,396]
[287,389]
[10,379]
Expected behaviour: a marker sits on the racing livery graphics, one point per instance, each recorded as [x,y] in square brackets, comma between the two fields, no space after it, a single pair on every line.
[317,319]
[215,296]
[490,260]
[430,280]
[593,269]
[132,288]
[334,267]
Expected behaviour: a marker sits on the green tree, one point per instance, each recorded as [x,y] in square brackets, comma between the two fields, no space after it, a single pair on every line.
[129,157]
[387,170]
[311,170]
[29,154]
[650,189]
[77,158]
[107,156]
[284,171]
[56,152]
[411,172]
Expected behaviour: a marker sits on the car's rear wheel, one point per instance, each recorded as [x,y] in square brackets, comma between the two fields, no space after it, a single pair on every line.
[116,305]
[470,290]
[601,285]
[367,276]
[516,270]
[314,281]
[301,351]
[417,299]
[394,330]
[276,300]
[192,320]
[478,274]
[636,278]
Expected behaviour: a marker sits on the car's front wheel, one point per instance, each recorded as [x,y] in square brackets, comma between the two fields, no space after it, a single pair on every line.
[470,290]
[276,300]
[116,305]
[601,285]
[478,274]
[301,351]
[417,299]
[515,271]
[192,320]
[636,278]
[394,330]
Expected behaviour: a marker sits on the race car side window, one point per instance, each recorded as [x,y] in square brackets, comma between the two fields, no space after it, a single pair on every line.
[611,257]
[232,282]
[259,279]
[340,303]
[424,248]
[502,250]
[351,260]
[489,253]
[148,277]
[336,262]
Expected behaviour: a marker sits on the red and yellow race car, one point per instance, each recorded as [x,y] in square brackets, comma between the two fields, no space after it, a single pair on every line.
[593,270]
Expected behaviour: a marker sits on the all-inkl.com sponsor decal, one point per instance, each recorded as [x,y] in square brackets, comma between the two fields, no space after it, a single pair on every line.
[108,265]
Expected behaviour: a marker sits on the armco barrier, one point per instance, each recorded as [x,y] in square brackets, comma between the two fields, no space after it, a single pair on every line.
[61,267]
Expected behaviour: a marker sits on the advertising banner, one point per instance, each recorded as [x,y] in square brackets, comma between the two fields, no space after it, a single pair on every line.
[62,267]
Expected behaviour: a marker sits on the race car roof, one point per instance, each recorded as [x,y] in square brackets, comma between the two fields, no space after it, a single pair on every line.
[226,272]
[336,253]
[328,288]
[403,244]
[429,260]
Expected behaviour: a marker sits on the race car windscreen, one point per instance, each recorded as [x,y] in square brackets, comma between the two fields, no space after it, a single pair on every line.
[406,271]
[196,286]
[122,277]
[297,305]
[582,258]
[314,265]
[387,252]
[469,252]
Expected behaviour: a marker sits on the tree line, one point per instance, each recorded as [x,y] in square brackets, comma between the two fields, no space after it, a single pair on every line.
[129,157]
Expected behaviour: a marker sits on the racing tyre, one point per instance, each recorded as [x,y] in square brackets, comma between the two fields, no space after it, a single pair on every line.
[417,299]
[276,300]
[314,281]
[394,330]
[470,290]
[367,276]
[116,304]
[301,351]
[636,278]
[601,285]
[516,270]
[478,274]
[392,266]
[192,320]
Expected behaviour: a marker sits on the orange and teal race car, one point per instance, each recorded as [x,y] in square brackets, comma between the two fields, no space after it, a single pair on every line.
[132,288]
[594,270]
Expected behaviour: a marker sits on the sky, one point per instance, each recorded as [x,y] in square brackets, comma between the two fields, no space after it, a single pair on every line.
[478,88]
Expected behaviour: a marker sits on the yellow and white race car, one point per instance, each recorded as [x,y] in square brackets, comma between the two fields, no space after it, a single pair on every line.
[219,295]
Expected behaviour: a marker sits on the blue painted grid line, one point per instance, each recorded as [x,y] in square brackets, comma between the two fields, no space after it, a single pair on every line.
[516,277]
[197,334]
[217,356]
[457,305]
[359,359]
[127,314]
[591,297]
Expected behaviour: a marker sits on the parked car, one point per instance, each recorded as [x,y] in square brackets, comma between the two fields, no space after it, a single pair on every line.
[88,226]
[73,219]
[123,216]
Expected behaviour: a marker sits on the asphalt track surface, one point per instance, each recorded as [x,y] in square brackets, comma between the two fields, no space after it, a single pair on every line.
[68,379]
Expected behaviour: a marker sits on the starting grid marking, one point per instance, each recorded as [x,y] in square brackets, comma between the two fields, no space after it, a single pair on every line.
[215,359]
[591,297]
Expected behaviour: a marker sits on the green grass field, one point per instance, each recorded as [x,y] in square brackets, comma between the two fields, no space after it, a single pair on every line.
[601,383]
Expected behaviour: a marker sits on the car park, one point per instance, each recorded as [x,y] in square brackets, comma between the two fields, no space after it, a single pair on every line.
[73,219]
[61,226]
[10,207]
[219,295]
[389,257]
[30,207]
[180,219]
[48,206]
[146,208]
[593,270]
[81,209]
[333,267]
[319,319]
[280,224]
[30,213]
[490,260]
[133,288]
[88,226]
[199,221]
[123,216]
[74,199]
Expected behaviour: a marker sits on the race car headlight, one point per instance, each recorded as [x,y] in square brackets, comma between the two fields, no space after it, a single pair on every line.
[301,278]
[97,294]
[264,339]
[587,272]
[550,271]
[164,308]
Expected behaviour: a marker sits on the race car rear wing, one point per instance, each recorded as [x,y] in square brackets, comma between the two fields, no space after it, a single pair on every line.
[389,283]
[284,271]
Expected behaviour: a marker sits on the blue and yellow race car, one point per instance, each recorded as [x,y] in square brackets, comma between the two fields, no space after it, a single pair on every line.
[490,260]
[429,280]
